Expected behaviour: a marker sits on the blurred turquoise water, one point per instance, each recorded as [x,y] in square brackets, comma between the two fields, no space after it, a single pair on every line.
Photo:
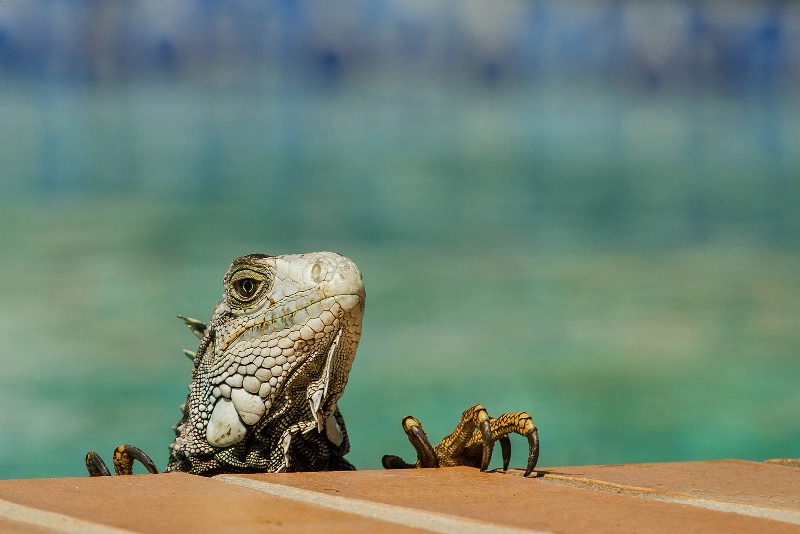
[622,265]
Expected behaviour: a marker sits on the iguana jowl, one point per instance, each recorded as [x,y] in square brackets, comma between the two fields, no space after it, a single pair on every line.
[272,364]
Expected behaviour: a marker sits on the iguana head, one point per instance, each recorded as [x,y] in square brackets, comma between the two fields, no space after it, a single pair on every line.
[272,363]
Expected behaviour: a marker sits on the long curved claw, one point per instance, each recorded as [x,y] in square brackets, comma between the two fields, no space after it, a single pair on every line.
[426,456]
[533,450]
[526,427]
[472,441]
[505,447]
[488,444]
[517,423]
[96,466]
[124,455]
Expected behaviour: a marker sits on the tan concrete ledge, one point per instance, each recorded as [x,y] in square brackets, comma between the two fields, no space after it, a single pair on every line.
[714,496]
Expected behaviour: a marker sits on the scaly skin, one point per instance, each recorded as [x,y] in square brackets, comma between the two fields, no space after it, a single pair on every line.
[471,442]
[273,362]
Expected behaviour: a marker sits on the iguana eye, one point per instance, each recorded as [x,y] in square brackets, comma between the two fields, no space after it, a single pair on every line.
[246,287]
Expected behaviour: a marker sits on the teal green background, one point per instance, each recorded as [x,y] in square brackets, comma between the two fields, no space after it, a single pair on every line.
[614,253]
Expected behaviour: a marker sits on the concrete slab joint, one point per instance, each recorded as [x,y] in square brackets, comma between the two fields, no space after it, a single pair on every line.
[711,496]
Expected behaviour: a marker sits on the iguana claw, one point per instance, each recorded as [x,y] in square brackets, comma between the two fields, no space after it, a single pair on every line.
[96,466]
[124,455]
[505,447]
[471,442]
[416,434]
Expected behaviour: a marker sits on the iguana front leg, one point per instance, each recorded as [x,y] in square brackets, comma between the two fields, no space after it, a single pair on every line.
[124,455]
[471,442]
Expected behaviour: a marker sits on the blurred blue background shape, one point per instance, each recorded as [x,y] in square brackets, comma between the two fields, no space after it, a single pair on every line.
[584,210]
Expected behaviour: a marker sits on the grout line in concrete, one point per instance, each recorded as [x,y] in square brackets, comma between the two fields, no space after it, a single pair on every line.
[390,513]
[54,521]
[734,507]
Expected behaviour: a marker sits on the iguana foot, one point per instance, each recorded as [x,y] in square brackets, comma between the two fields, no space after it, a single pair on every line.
[124,455]
[471,442]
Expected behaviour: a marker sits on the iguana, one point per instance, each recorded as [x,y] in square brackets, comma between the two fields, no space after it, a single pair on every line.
[273,362]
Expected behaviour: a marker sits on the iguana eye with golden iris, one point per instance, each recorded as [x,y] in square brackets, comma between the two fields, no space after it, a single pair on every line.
[246,287]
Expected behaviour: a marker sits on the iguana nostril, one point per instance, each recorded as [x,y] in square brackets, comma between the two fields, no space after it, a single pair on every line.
[316,273]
